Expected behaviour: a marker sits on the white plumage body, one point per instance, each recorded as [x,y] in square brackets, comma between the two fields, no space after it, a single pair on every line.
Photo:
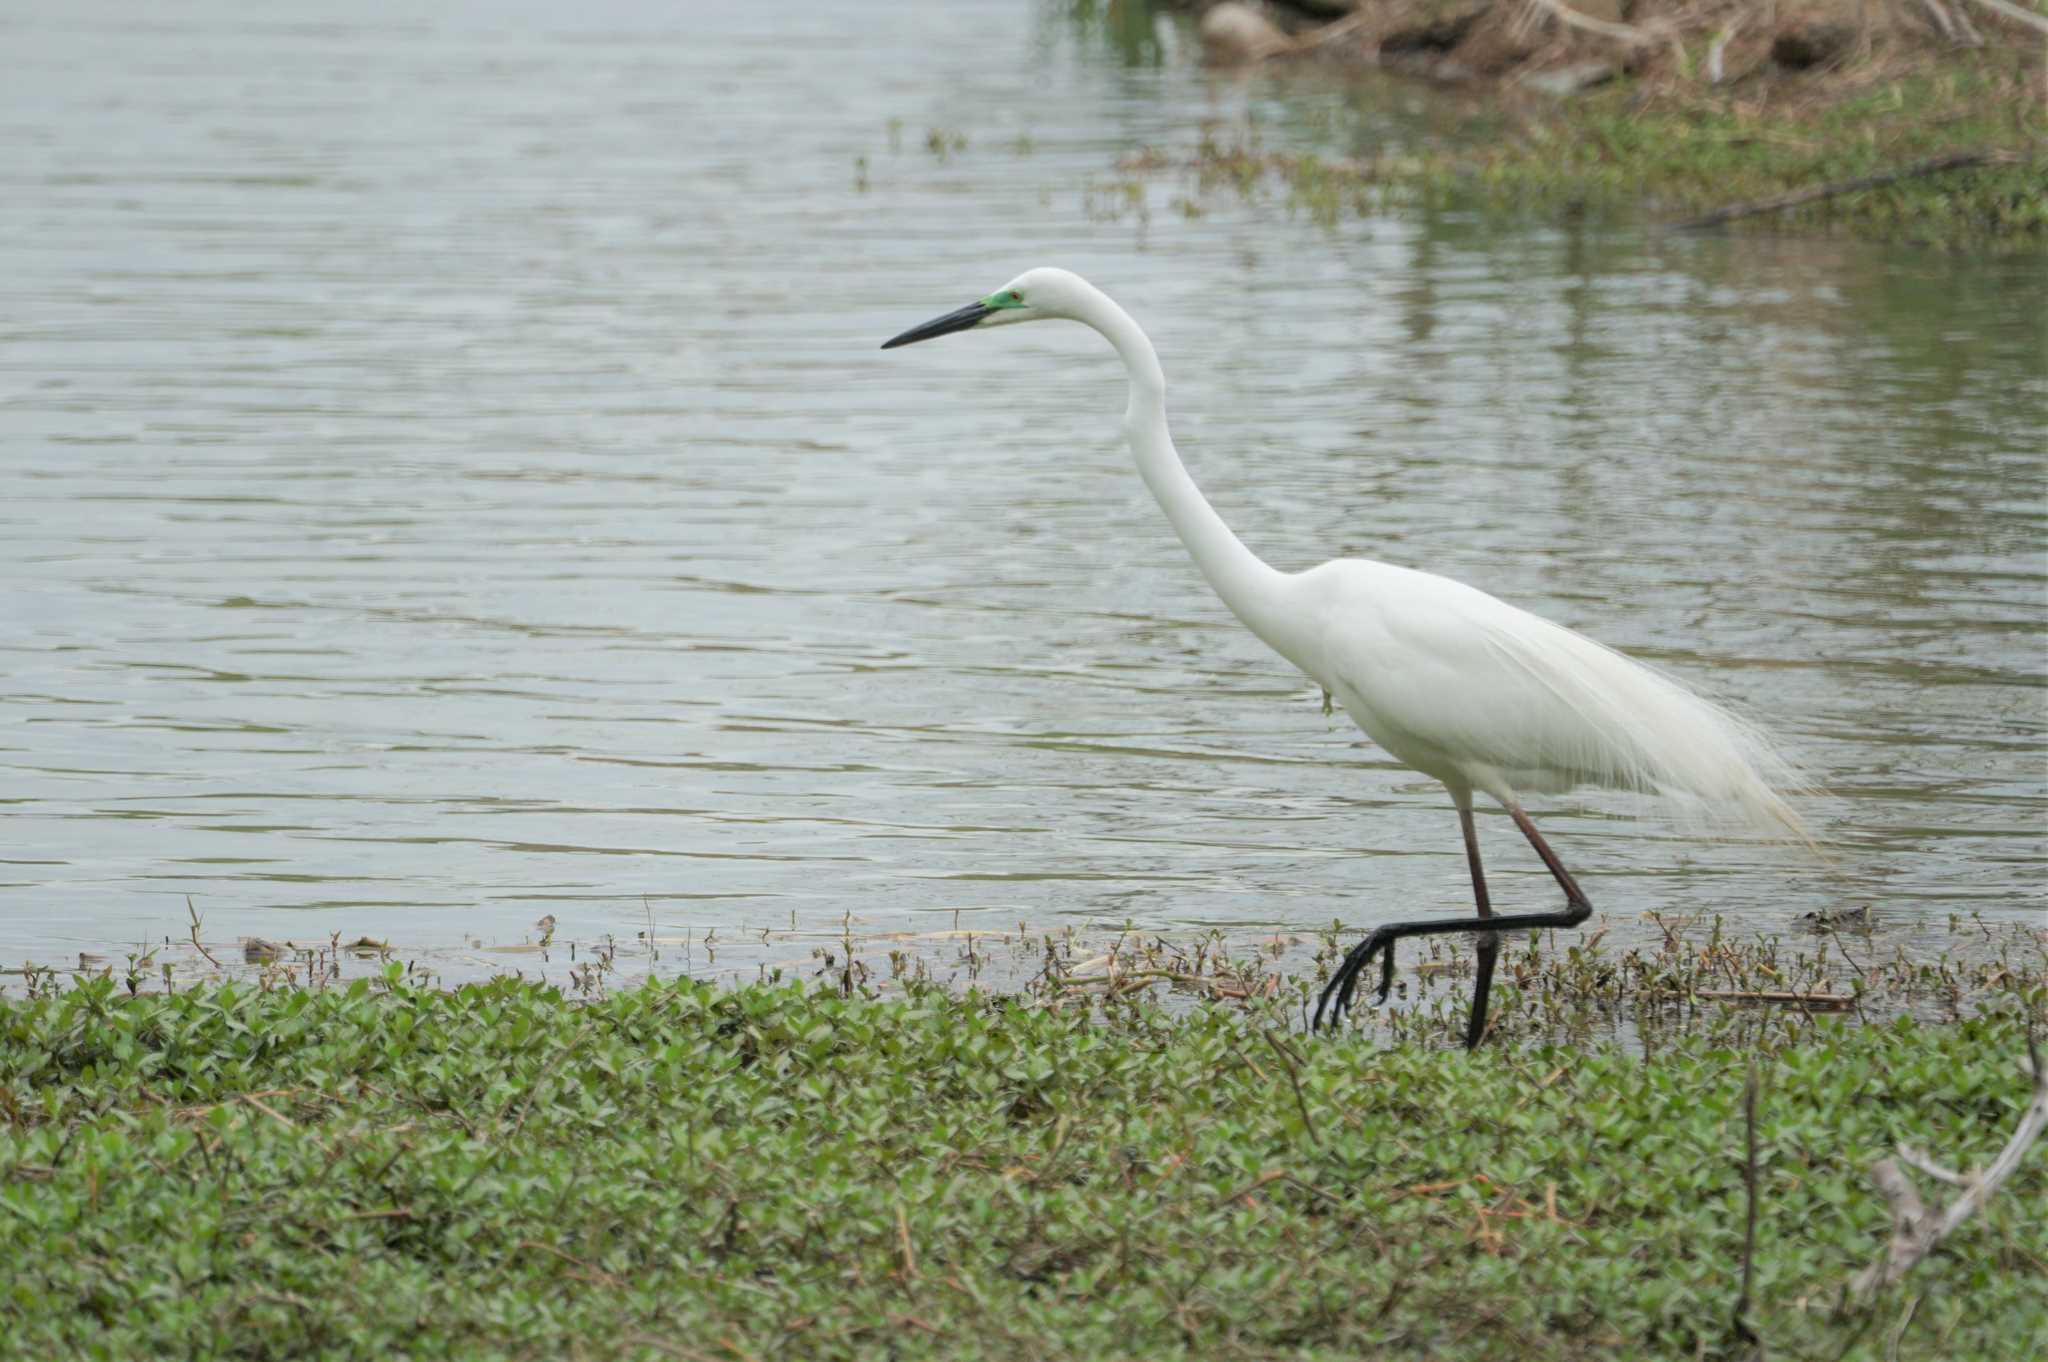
[1485,696]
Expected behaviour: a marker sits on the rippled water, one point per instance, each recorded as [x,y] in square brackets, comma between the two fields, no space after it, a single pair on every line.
[447,477]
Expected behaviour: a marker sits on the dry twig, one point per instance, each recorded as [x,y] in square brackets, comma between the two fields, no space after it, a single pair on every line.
[2013,12]
[903,1243]
[1715,71]
[1326,34]
[1621,33]
[1626,34]
[1917,1227]
[1743,1329]
[193,913]
[1827,1001]
[1290,1062]
[1955,27]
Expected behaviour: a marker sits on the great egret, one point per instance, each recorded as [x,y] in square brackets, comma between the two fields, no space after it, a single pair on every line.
[1449,680]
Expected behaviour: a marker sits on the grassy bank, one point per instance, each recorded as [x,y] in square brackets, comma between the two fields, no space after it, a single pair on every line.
[676,1171]
[1681,109]
[1673,157]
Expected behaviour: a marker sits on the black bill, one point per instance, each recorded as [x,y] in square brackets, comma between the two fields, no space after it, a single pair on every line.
[957,320]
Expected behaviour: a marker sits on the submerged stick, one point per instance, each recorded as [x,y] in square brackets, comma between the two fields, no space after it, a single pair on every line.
[1937,165]
[1829,1001]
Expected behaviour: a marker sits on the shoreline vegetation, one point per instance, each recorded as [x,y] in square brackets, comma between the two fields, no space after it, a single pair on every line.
[678,1170]
[1659,979]
[1919,121]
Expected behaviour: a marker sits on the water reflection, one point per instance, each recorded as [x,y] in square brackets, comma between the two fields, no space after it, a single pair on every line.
[446,476]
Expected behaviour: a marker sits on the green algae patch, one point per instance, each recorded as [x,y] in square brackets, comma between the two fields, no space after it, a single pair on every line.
[682,1171]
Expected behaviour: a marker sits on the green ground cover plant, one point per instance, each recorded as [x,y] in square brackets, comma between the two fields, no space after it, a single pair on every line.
[772,1171]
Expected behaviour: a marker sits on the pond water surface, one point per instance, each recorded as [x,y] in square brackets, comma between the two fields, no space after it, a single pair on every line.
[447,477]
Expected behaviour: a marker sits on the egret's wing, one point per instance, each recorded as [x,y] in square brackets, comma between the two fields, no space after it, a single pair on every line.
[1486,683]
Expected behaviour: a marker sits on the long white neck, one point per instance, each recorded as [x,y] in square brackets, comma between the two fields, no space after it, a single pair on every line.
[1245,583]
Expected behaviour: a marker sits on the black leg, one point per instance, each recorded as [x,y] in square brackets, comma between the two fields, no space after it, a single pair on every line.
[1337,993]
[1489,942]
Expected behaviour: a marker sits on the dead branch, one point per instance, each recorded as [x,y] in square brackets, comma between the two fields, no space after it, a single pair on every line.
[1827,1001]
[1621,33]
[1955,160]
[903,1242]
[2019,16]
[1715,71]
[1238,35]
[1125,981]
[1329,33]
[1891,1347]
[1628,34]
[1915,1159]
[1956,26]
[1916,1227]
[1287,1059]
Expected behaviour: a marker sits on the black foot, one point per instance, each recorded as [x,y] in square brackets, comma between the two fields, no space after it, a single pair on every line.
[1337,993]
[1345,981]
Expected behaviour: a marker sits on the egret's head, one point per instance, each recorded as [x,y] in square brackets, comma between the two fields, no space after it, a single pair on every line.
[1032,296]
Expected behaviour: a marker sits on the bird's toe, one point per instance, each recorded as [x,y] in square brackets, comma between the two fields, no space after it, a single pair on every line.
[1386,972]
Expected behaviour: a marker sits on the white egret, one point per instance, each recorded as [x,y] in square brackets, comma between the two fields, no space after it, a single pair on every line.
[1453,682]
